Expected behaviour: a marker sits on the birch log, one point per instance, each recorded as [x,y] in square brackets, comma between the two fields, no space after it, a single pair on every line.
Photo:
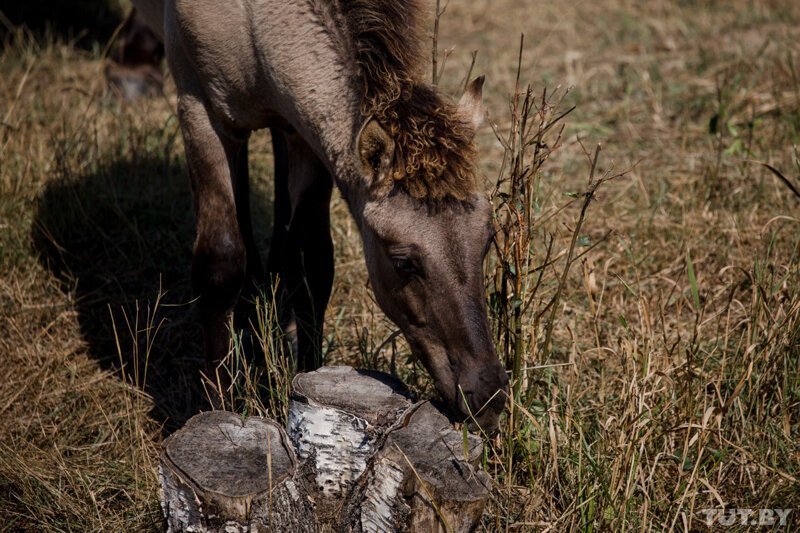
[219,473]
[425,477]
[336,416]
[369,460]
[381,463]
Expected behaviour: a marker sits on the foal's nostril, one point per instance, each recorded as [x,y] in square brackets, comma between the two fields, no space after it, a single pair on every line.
[485,415]
[465,402]
[484,403]
[482,394]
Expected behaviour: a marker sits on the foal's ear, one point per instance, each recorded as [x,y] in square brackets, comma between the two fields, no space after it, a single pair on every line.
[376,151]
[471,104]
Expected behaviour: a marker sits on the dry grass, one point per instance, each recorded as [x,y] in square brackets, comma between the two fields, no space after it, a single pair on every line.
[658,375]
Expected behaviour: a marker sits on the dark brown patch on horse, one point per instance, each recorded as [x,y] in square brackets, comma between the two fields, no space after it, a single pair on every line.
[434,152]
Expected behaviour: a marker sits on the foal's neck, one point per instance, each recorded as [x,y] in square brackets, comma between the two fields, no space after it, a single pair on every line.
[315,85]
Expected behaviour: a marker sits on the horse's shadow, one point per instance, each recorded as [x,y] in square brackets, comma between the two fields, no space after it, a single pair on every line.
[119,240]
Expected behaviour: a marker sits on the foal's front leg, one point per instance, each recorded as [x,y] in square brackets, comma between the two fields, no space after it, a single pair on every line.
[213,154]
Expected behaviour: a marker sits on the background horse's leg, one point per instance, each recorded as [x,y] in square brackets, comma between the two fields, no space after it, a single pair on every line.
[214,156]
[302,250]
[245,317]
[282,209]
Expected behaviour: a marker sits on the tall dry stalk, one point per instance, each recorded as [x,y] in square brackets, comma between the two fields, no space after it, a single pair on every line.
[258,368]
[534,133]
[530,261]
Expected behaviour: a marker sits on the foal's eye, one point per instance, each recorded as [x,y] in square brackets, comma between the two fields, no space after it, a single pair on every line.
[404,265]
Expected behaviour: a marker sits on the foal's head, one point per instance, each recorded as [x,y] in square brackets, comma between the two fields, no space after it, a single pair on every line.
[426,229]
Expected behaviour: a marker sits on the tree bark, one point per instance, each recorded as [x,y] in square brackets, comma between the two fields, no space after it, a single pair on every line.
[336,415]
[380,462]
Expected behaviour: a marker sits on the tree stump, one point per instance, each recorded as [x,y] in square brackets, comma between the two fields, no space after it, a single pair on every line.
[424,478]
[219,473]
[337,415]
[381,463]
[369,460]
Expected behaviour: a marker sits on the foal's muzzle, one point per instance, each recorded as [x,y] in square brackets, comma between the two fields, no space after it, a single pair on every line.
[482,396]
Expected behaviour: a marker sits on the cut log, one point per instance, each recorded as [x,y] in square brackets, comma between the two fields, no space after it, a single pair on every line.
[219,473]
[381,463]
[369,460]
[336,416]
[424,478]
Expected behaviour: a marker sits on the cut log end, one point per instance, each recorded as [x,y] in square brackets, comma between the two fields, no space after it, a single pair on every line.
[375,397]
[221,473]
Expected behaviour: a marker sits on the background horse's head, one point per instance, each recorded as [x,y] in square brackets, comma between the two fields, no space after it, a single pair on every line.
[426,230]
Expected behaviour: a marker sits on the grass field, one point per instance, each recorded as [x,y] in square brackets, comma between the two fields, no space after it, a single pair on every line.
[654,336]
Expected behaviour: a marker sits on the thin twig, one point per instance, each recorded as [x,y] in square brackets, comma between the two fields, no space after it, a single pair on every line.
[435,48]
[588,196]
[469,72]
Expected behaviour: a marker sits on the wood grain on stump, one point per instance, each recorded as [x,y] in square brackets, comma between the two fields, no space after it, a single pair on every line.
[219,473]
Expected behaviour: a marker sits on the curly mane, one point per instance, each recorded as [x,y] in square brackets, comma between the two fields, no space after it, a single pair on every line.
[434,152]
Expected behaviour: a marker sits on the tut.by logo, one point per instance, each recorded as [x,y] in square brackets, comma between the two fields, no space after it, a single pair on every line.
[746,517]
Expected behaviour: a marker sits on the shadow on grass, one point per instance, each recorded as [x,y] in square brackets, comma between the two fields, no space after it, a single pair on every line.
[120,241]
